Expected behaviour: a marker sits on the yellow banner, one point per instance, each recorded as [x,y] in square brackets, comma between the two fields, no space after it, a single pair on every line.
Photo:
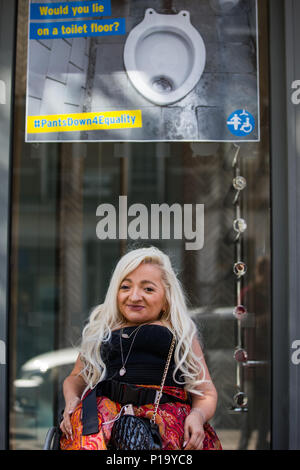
[84,121]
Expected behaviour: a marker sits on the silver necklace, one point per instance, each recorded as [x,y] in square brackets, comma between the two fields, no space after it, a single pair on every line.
[122,371]
[127,336]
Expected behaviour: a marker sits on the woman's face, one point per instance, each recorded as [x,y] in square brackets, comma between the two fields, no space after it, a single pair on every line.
[141,296]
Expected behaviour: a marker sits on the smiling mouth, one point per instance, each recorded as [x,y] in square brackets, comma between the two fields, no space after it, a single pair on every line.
[135,307]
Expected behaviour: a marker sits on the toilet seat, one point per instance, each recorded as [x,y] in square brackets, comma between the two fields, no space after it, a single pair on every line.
[164,56]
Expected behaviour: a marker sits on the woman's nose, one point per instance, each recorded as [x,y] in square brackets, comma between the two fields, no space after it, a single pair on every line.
[135,294]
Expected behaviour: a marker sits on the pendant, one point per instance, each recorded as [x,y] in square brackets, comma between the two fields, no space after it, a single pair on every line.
[122,371]
[125,335]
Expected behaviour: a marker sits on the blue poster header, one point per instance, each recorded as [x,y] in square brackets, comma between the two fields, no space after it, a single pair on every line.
[60,10]
[77,29]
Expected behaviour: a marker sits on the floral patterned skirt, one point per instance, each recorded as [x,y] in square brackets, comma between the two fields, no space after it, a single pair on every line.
[170,419]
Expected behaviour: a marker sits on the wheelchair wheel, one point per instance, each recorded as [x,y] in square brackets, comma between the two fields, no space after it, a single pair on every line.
[52,439]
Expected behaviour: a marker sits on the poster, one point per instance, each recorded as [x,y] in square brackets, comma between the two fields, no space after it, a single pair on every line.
[147,70]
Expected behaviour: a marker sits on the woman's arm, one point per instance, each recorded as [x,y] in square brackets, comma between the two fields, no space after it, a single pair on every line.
[73,387]
[203,407]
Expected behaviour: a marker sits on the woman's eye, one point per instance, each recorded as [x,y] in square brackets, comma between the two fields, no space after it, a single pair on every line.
[149,289]
[124,287]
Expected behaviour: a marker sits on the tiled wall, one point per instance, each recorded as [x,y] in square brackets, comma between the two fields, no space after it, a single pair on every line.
[57,76]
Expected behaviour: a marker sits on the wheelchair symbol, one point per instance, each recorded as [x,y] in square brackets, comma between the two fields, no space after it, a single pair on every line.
[241,123]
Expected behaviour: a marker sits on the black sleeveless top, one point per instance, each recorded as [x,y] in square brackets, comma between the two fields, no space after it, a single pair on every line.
[147,359]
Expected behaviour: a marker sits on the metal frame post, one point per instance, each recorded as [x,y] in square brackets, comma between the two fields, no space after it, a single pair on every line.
[7,47]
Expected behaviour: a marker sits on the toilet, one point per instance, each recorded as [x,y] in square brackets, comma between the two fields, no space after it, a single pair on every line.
[164,56]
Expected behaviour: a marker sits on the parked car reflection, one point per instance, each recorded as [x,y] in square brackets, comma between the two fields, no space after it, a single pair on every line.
[38,377]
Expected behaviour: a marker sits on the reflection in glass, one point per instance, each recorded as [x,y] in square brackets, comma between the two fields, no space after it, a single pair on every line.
[223,6]
[239,225]
[239,183]
[240,355]
[240,399]
[240,312]
[239,269]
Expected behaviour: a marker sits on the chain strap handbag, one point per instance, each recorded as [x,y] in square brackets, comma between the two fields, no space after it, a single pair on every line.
[131,432]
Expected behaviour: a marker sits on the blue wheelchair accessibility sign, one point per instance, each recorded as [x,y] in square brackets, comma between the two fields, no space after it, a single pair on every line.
[241,123]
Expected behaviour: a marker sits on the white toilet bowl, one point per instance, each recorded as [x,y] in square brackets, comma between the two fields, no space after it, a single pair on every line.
[164,56]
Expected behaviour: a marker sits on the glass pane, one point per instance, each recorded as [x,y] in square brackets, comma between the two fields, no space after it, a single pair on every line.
[61,268]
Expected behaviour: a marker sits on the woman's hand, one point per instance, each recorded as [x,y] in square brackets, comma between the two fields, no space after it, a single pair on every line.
[73,387]
[193,431]
[66,425]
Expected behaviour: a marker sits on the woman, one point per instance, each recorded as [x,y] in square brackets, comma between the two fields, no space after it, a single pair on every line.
[124,347]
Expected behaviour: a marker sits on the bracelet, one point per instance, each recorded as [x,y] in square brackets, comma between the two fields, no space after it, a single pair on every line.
[198,410]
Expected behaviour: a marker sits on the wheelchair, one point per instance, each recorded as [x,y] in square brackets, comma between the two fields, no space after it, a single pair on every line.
[52,439]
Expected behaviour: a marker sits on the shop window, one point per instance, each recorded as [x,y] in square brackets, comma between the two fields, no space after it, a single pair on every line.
[61,264]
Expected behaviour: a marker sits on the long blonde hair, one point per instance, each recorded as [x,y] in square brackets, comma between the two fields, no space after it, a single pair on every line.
[106,317]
